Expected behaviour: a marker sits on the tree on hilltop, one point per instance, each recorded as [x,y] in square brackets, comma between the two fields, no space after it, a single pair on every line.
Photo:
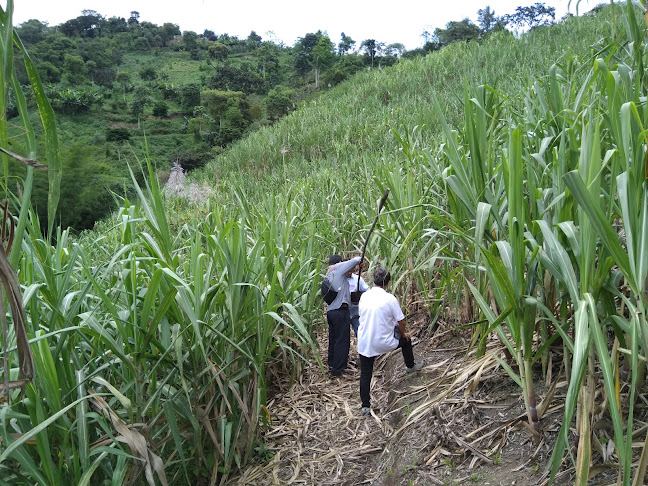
[133,20]
[395,49]
[346,44]
[313,52]
[88,24]
[372,48]
[486,19]
[532,16]
[114,26]
[322,56]
[190,40]
[32,31]
[168,31]
[464,30]
[210,35]
[268,55]
[254,40]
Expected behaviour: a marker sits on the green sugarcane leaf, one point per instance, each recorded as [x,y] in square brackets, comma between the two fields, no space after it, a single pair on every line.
[559,256]
[499,273]
[89,471]
[496,321]
[600,341]
[570,230]
[172,420]
[579,365]
[39,428]
[609,237]
[483,212]
[48,120]
[514,376]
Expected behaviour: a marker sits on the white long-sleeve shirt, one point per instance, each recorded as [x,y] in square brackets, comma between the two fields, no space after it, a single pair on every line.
[380,312]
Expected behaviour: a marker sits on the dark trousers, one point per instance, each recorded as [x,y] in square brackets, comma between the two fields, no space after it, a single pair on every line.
[339,322]
[366,369]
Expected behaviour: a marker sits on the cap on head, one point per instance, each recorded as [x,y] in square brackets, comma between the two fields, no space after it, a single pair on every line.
[381,277]
[335,259]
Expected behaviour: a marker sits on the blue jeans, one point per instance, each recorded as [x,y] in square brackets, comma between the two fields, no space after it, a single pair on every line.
[355,324]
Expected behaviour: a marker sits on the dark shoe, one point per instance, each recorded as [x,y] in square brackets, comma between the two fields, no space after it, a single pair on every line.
[416,367]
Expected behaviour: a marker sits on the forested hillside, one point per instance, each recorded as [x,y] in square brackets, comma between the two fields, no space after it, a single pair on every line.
[114,82]
[149,350]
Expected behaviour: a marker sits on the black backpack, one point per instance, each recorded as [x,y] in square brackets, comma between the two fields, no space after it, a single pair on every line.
[328,294]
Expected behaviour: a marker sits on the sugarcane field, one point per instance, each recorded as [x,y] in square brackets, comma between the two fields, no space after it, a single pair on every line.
[235,261]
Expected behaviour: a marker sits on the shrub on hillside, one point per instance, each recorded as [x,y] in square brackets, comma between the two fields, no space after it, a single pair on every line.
[104,76]
[142,44]
[279,102]
[256,112]
[232,78]
[160,109]
[74,101]
[148,73]
[191,159]
[189,96]
[118,105]
[117,134]
[343,69]
[169,91]
[49,72]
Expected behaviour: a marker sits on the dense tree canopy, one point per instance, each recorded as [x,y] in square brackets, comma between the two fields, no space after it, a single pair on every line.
[532,16]
[464,30]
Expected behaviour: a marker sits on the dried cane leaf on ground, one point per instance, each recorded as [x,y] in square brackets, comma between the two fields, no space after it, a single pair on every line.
[460,421]
[419,424]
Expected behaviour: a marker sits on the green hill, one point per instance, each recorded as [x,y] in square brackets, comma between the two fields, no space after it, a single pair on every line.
[112,82]
[511,165]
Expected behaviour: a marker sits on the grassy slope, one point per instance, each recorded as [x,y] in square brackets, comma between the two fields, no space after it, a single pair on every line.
[352,122]
[330,154]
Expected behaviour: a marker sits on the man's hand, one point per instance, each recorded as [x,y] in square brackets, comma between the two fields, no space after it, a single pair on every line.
[362,266]
[406,335]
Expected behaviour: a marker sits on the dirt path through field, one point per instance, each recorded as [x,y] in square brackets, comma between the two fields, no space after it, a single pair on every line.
[459,421]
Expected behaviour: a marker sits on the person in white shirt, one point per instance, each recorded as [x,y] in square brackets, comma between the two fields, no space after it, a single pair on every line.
[353,307]
[382,329]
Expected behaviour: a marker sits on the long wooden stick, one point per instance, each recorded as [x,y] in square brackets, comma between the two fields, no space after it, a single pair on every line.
[364,248]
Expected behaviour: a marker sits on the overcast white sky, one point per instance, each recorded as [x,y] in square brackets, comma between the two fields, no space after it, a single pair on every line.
[385,21]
